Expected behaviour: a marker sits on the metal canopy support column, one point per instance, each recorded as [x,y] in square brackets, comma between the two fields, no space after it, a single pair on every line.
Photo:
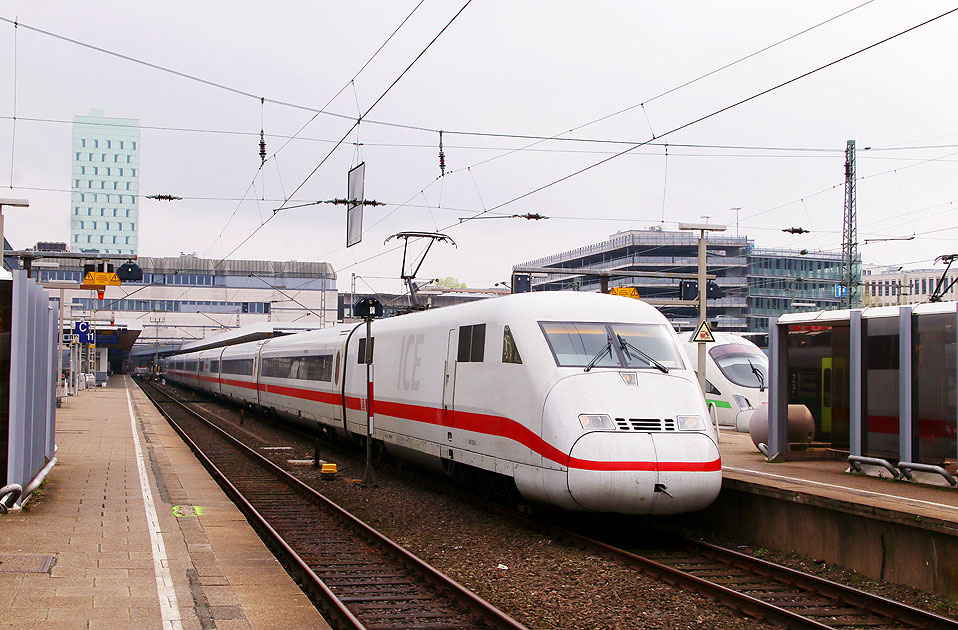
[855,372]
[777,391]
[906,439]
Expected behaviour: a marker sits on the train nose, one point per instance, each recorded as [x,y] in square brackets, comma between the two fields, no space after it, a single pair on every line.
[644,473]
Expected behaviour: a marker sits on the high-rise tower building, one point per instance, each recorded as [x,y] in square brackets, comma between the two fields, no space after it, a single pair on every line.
[104,213]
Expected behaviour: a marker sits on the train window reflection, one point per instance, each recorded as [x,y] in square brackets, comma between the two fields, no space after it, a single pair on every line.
[577,344]
[743,365]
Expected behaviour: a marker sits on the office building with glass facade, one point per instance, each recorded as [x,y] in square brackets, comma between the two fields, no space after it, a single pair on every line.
[756,283]
[104,209]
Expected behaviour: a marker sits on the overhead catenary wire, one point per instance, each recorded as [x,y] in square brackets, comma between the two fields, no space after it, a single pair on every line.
[276,211]
[731,106]
[322,110]
[679,128]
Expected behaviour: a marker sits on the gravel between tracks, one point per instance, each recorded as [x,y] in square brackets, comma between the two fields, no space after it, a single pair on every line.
[542,583]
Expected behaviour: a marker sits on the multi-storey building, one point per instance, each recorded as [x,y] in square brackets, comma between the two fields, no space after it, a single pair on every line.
[789,280]
[889,286]
[104,209]
[183,299]
[757,283]
[657,250]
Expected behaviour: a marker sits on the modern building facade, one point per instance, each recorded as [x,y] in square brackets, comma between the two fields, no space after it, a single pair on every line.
[185,299]
[757,283]
[657,250]
[791,280]
[890,286]
[104,209]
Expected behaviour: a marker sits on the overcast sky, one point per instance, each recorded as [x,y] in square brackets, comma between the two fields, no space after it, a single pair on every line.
[502,67]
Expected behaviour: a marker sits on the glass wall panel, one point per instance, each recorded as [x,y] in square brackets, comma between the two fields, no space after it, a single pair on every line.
[818,377]
[933,380]
[880,416]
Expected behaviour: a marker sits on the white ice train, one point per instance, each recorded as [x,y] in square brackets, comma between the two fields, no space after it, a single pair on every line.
[584,401]
[736,378]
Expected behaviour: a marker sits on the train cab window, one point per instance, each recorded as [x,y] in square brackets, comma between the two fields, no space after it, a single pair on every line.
[472,342]
[711,389]
[746,366]
[601,344]
[361,355]
[510,353]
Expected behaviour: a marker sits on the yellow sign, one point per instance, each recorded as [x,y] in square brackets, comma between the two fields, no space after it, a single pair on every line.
[703,334]
[100,277]
[631,292]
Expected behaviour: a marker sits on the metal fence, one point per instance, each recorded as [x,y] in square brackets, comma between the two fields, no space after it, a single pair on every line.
[30,326]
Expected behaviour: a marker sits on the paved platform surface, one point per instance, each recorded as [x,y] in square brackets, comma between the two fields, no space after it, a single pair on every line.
[179,555]
[827,480]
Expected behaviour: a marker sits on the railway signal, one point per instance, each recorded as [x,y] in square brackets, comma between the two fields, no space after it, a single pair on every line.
[368,309]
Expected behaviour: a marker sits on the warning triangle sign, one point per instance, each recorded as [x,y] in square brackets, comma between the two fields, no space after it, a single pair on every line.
[703,334]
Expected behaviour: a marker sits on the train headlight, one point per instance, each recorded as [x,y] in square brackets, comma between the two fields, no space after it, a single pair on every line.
[742,402]
[595,421]
[690,423]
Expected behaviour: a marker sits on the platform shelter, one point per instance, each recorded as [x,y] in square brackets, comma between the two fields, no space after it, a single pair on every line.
[879,382]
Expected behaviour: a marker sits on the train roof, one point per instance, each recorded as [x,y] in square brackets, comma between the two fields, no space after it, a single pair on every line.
[537,306]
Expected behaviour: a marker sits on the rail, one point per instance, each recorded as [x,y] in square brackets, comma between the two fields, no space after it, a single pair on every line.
[355,596]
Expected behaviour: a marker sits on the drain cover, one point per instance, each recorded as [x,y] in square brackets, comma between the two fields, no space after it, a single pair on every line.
[27,564]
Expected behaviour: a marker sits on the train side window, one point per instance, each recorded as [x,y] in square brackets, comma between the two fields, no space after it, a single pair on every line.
[214,366]
[361,355]
[711,389]
[472,342]
[336,379]
[510,353]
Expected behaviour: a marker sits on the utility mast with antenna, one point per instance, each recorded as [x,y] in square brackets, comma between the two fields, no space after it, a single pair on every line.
[851,267]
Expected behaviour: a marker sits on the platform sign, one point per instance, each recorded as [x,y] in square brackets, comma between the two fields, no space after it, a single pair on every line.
[703,334]
[101,277]
[83,332]
[354,207]
[630,292]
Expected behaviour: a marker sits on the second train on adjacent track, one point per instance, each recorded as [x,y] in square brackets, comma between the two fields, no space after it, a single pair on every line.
[583,401]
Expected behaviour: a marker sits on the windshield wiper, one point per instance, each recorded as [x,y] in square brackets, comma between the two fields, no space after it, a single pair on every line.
[595,359]
[625,345]
[757,372]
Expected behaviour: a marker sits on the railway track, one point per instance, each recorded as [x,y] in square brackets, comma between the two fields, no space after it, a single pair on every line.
[758,588]
[359,578]
[761,589]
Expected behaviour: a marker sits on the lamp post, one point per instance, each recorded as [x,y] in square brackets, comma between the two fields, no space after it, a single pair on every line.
[702,228]
[16,203]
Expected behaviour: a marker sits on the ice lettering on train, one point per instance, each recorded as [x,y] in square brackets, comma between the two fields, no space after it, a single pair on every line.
[409,362]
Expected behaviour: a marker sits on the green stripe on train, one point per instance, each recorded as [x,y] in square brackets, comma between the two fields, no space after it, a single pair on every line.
[719,403]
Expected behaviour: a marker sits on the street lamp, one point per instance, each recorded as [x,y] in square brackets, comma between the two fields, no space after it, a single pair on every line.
[702,228]
[16,203]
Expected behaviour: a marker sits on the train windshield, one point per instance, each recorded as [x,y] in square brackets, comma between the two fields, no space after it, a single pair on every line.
[577,344]
[743,365]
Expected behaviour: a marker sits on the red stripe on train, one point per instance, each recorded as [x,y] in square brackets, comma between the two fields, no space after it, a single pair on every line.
[493,426]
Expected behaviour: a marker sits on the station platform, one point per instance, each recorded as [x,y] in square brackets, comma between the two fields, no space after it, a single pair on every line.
[898,531]
[827,479]
[131,531]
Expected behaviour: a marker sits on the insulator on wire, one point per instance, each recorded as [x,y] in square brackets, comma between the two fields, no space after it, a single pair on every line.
[442,157]
[262,148]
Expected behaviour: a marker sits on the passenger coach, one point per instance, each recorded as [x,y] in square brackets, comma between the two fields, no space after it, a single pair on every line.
[583,401]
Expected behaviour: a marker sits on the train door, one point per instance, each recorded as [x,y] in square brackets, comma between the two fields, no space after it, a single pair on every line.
[449,380]
[257,360]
